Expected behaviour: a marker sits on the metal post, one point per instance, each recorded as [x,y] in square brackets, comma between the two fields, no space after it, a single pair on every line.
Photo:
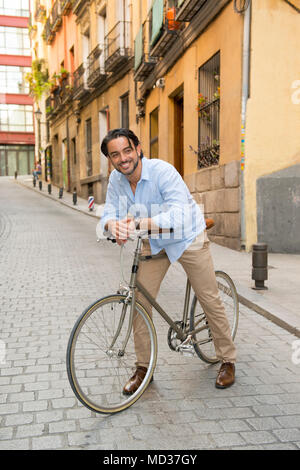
[60,194]
[74,198]
[260,265]
[49,188]
[40,185]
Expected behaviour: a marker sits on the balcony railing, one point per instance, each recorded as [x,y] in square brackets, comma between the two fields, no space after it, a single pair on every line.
[40,11]
[143,63]
[164,27]
[48,33]
[65,90]
[186,9]
[117,46]
[80,87]
[96,70]
[77,5]
[56,16]
[65,6]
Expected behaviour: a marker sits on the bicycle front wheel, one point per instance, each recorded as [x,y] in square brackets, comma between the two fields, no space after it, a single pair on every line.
[203,341]
[98,366]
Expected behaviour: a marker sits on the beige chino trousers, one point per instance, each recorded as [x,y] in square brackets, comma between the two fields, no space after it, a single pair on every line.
[198,265]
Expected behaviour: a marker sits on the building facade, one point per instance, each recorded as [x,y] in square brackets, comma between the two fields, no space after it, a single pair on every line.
[16,110]
[202,85]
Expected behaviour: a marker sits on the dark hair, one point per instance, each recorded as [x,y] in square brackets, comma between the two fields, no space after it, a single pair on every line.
[114,134]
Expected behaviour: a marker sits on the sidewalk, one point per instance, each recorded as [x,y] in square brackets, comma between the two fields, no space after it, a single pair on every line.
[280,303]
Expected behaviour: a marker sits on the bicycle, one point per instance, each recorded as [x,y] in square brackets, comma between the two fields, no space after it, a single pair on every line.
[101,350]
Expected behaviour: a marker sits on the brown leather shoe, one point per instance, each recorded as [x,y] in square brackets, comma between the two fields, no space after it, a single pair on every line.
[226,375]
[135,381]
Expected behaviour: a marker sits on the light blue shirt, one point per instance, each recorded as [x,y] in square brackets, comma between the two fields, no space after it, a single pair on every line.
[162,195]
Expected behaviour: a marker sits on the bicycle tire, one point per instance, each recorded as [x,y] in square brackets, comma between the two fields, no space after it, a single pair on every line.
[203,342]
[98,374]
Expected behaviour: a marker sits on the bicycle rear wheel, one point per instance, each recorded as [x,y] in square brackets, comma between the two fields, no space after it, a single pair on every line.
[203,342]
[97,367]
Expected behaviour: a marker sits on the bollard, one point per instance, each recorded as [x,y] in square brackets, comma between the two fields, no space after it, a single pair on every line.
[260,265]
[16,175]
[74,198]
[91,201]
[49,188]
[61,192]
[34,181]
[40,185]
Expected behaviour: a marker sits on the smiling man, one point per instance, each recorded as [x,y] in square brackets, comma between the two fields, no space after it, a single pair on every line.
[154,191]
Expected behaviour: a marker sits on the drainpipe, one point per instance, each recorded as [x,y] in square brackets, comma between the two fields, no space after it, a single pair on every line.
[245,95]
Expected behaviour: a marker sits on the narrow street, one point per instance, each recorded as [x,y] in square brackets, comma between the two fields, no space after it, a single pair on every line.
[51,269]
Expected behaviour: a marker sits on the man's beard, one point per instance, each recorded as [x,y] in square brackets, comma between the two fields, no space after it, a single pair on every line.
[133,170]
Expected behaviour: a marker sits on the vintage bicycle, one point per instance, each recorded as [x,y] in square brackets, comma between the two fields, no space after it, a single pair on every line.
[101,351]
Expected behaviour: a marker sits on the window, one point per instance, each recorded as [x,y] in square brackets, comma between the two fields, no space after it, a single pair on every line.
[14,41]
[14,7]
[12,79]
[18,158]
[125,111]
[16,117]
[88,137]
[154,134]
[209,112]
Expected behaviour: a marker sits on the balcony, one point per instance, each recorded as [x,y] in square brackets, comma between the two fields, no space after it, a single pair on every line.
[77,5]
[65,92]
[80,87]
[143,63]
[49,107]
[40,11]
[56,16]
[48,34]
[164,28]
[96,72]
[117,46]
[186,9]
[65,6]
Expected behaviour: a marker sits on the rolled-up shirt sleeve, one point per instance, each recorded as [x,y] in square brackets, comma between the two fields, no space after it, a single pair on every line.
[111,209]
[178,211]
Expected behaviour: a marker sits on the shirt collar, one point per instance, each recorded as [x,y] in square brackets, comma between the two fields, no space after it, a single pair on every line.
[145,171]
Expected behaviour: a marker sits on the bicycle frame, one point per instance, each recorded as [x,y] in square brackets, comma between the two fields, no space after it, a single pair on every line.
[134,284]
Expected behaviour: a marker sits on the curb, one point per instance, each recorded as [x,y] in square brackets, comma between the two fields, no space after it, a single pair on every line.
[49,196]
[273,312]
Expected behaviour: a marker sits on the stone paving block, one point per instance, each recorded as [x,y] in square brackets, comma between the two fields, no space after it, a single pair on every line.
[228,439]
[258,437]
[47,442]
[287,435]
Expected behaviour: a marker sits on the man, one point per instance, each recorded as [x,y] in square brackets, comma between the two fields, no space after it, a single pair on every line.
[154,191]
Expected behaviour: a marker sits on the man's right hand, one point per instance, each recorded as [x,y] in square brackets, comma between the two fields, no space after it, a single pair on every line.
[121,229]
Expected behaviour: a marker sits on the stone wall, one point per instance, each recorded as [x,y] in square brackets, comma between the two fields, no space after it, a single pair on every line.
[218,189]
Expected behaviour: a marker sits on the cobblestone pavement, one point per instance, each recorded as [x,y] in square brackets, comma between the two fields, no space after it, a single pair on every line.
[51,269]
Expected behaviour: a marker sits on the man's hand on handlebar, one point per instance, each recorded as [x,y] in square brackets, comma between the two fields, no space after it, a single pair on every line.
[121,229]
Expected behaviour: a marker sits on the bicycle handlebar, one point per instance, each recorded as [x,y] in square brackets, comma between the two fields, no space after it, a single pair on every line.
[149,232]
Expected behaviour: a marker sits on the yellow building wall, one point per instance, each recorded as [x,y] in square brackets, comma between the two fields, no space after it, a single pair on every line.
[273,115]
[224,34]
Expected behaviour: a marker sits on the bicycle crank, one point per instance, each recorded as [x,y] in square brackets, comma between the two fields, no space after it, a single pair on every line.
[187,348]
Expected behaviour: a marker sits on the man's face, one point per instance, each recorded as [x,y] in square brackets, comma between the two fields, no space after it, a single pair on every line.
[123,155]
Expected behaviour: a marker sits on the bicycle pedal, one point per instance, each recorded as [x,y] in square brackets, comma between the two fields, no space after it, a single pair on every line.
[186,350]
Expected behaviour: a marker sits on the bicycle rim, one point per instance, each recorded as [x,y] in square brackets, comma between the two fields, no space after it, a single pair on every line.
[204,345]
[97,371]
